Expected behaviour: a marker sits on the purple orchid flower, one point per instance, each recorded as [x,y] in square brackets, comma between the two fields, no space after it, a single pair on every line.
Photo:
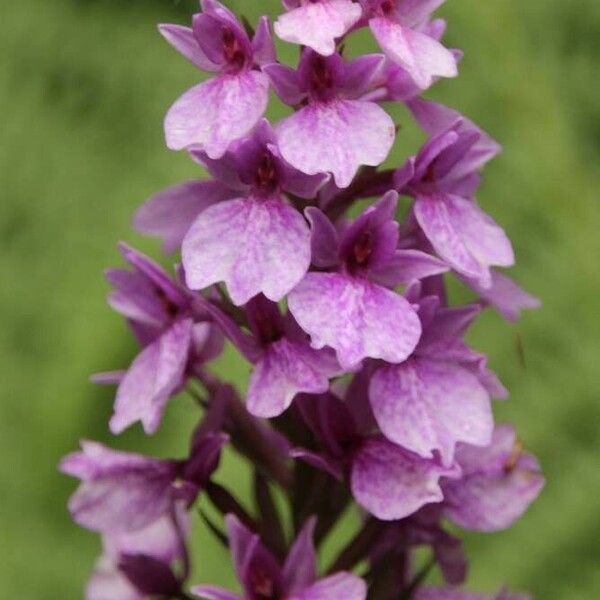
[439,396]
[346,324]
[387,480]
[459,154]
[135,563]
[261,575]
[335,131]
[256,242]
[284,363]
[399,28]
[215,113]
[122,492]
[431,593]
[352,309]
[160,313]
[317,24]
[497,485]
[442,179]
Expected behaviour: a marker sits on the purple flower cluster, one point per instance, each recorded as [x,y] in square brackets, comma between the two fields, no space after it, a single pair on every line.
[359,360]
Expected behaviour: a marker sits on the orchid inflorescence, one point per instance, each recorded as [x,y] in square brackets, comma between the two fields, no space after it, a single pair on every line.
[362,388]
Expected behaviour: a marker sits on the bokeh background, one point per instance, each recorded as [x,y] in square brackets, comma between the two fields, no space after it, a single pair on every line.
[84,85]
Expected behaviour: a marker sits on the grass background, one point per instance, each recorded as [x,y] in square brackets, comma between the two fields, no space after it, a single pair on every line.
[84,85]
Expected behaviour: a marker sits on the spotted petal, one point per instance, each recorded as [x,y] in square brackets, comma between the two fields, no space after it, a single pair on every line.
[421,56]
[392,483]
[152,378]
[170,213]
[336,137]
[463,235]
[427,405]
[318,24]
[286,369]
[252,244]
[217,112]
[355,317]
[498,484]
[341,585]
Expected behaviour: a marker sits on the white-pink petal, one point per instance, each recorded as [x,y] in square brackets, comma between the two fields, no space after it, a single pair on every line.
[152,378]
[392,483]
[336,137]
[346,586]
[423,57]
[463,235]
[252,244]
[286,369]
[427,405]
[355,317]
[170,213]
[318,24]
[213,114]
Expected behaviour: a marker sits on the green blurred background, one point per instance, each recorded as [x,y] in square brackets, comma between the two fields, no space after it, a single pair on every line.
[84,85]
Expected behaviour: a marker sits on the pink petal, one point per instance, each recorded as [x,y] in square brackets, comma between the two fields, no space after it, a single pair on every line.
[286,369]
[217,112]
[357,318]
[318,24]
[121,494]
[407,266]
[484,238]
[392,483]
[498,484]
[170,213]
[218,9]
[435,217]
[426,405]
[211,592]
[420,55]
[263,47]
[435,118]
[286,83]
[107,583]
[300,568]
[336,137]
[184,41]
[152,378]
[361,74]
[324,238]
[417,12]
[254,245]
[508,298]
[346,586]
[430,593]
[162,539]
